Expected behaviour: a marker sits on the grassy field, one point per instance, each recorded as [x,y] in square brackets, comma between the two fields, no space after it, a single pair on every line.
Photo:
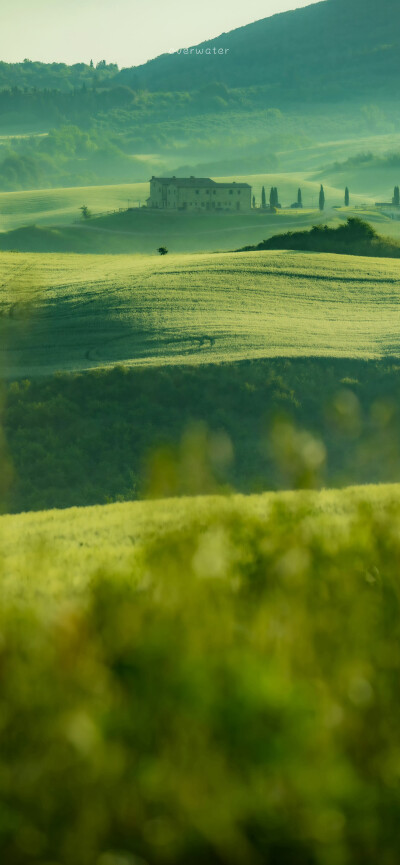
[143,231]
[74,544]
[207,680]
[192,309]
[61,206]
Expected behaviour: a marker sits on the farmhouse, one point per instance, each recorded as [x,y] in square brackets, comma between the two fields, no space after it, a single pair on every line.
[198,193]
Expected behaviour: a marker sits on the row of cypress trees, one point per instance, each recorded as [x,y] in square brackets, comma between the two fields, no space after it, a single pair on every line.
[274,198]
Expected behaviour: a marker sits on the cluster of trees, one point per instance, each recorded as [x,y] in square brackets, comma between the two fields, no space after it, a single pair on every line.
[36,108]
[355,237]
[60,76]
[273,198]
[68,156]
[61,431]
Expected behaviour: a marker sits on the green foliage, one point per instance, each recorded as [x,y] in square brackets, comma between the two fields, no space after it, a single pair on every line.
[355,237]
[125,433]
[360,57]
[54,76]
[66,156]
[230,696]
[273,198]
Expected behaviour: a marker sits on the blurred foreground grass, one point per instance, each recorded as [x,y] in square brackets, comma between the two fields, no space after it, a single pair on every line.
[224,691]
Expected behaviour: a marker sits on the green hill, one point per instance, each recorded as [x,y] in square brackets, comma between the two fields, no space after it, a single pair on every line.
[76,542]
[202,681]
[305,53]
[192,309]
[334,50]
[108,204]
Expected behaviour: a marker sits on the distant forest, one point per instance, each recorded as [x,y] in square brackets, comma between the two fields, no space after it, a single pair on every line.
[110,133]
[336,49]
[288,82]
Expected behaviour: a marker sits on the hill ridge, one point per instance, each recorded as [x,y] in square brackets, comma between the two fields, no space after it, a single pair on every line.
[320,37]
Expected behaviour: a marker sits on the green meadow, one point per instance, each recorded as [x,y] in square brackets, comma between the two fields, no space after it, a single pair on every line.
[66,313]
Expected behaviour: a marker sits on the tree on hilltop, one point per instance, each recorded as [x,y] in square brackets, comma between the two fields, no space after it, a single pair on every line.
[346,197]
[396,196]
[162,250]
[263,198]
[321,198]
[299,198]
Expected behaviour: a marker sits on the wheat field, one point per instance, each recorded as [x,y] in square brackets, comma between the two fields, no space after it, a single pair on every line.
[66,312]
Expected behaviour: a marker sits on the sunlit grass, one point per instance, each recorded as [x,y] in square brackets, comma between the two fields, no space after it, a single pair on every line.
[192,309]
[220,686]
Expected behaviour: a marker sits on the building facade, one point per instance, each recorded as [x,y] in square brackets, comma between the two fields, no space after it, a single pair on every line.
[198,193]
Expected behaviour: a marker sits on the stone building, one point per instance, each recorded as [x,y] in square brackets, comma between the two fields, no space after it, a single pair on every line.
[198,193]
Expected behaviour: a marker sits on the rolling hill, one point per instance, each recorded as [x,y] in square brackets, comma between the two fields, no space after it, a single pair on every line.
[61,206]
[193,309]
[112,535]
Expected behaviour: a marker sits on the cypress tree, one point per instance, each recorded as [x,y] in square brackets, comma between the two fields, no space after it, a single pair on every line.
[276,197]
[299,198]
[347,197]
[321,198]
[396,196]
[271,198]
[263,198]
[254,202]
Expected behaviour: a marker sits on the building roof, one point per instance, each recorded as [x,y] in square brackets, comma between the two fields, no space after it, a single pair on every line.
[198,182]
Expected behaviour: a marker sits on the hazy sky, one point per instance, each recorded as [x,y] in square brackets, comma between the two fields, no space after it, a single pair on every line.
[127,32]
